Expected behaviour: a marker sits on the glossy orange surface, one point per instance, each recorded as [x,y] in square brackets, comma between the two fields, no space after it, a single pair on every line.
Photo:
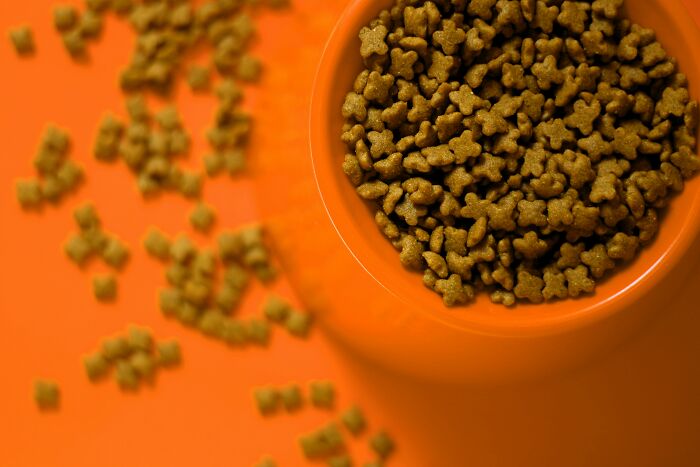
[636,405]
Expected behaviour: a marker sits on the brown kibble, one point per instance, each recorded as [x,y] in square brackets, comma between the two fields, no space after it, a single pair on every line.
[578,281]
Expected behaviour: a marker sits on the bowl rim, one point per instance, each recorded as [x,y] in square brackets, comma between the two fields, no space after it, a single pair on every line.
[547,325]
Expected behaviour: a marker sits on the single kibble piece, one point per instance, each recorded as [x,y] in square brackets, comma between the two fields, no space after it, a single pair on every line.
[65,17]
[170,301]
[143,364]
[69,175]
[213,164]
[276,309]
[248,68]
[74,43]
[46,394]
[267,400]
[28,193]
[78,249]
[168,353]
[190,184]
[104,287]
[157,244]
[139,339]
[291,397]
[126,376]
[115,348]
[258,331]
[182,249]
[266,462]
[342,460]
[354,420]
[202,217]
[323,442]
[96,366]
[22,40]
[115,253]
[322,394]
[90,24]
[382,444]
[198,78]
[298,323]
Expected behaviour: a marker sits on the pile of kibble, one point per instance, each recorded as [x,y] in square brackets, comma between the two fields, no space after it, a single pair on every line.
[522,148]
[205,285]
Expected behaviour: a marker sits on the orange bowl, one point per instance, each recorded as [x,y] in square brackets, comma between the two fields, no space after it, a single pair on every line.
[348,273]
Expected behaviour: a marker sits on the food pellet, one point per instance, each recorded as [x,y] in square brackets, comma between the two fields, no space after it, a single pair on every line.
[258,331]
[266,462]
[139,339]
[64,17]
[291,397]
[276,309]
[126,376]
[168,353]
[322,394]
[298,323]
[267,400]
[104,287]
[198,78]
[22,40]
[46,394]
[96,366]
[322,442]
[28,193]
[382,444]
[354,420]
[202,217]
[157,244]
[342,460]
[115,253]
[114,348]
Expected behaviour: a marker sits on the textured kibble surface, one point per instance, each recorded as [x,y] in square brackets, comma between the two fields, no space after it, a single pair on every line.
[522,149]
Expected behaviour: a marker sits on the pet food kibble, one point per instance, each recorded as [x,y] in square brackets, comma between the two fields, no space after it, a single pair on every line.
[142,363]
[22,40]
[276,309]
[168,353]
[78,249]
[519,149]
[90,24]
[46,394]
[267,400]
[266,462]
[104,287]
[28,193]
[340,461]
[96,366]
[382,444]
[115,348]
[298,323]
[354,420]
[74,43]
[198,78]
[64,17]
[182,249]
[322,442]
[139,339]
[322,394]
[126,376]
[248,68]
[115,253]
[291,397]
[157,244]
[258,331]
[202,217]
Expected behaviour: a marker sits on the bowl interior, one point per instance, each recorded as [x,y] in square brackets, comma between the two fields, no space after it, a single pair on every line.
[354,219]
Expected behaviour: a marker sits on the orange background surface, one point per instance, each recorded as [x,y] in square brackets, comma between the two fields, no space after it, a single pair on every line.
[636,406]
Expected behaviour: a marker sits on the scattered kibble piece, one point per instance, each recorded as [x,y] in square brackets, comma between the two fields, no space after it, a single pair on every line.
[126,376]
[96,366]
[115,348]
[291,397]
[298,323]
[322,394]
[382,444]
[157,244]
[115,253]
[267,400]
[322,442]
[46,394]
[139,339]
[64,17]
[143,364]
[168,353]
[276,309]
[29,193]
[266,462]
[86,217]
[202,217]
[258,331]
[354,420]
[22,40]
[104,287]
[198,78]
[342,460]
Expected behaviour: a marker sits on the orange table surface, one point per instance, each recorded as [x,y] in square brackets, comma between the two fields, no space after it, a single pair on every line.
[638,405]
